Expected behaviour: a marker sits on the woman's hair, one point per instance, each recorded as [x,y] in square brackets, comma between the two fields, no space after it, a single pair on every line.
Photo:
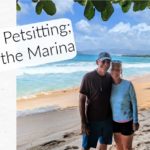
[116,64]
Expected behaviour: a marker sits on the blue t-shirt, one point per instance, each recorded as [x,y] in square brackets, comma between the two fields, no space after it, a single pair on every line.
[124,102]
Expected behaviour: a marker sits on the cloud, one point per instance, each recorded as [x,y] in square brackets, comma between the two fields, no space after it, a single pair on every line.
[140,16]
[25,8]
[85,27]
[121,27]
[64,6]
[120,37]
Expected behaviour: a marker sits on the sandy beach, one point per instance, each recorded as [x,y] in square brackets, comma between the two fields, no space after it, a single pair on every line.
[60,129]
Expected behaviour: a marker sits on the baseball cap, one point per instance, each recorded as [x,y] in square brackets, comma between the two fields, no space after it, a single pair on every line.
[103,56]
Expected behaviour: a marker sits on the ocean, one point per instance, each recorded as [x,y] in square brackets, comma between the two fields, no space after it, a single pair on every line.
[69,73]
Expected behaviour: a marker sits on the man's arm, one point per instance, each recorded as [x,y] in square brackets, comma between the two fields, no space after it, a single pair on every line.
[82,101]
[84,126]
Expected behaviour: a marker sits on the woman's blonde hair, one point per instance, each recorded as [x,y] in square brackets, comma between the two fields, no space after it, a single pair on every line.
[116,64]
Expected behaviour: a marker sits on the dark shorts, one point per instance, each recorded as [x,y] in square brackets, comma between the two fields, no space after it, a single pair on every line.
[123,128]
[99,132]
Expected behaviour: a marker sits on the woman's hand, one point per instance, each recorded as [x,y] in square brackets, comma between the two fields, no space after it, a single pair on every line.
[135,126]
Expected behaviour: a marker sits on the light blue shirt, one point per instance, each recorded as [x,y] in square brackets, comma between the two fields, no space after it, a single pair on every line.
[124,102]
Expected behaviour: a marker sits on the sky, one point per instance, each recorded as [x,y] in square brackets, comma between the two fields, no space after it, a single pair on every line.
[127,33]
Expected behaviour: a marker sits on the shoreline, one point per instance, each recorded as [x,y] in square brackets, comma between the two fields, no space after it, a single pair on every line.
[68,89]
[46,93]
[69,97]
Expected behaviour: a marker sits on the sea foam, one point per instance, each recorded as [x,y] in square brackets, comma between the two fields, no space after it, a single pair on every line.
[23,113]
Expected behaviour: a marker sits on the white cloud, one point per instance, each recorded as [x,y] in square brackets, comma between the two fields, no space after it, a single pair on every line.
[126,27]
[141,27]
[64,6]
[85,27]
[25,8]
[140,16]
[120,27]
[123,36]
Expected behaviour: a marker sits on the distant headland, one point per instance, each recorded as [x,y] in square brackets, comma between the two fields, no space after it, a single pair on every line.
[136,55]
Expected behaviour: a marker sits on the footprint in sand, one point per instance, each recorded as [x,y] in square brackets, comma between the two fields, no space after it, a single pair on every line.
[148,130]
[53,143]
[146,126]
[70,134]
[71,147]
[147,142]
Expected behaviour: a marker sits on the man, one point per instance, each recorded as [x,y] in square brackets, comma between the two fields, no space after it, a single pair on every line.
[94,105]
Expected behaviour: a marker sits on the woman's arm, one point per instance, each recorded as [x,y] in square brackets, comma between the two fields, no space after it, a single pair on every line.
[133,102]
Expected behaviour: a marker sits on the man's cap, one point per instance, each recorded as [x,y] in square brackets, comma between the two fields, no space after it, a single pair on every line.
[103,56]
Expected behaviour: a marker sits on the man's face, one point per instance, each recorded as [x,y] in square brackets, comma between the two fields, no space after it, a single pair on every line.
[103,64]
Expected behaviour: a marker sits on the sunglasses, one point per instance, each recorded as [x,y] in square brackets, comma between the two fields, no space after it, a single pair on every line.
[117,62]
[106,61]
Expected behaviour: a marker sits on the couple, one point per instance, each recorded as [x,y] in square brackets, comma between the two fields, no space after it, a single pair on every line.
[107,105]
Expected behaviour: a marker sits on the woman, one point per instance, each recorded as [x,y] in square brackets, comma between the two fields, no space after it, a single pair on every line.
[124,108]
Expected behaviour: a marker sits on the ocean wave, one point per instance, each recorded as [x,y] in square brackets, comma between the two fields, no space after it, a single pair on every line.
[72,68]
[37,110]
[137,65]
[68,68]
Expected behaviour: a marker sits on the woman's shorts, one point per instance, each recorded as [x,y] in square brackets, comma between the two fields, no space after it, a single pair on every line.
[123,128]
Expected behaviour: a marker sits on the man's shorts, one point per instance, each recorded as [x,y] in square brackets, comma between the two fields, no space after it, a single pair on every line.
[123,128]
[99,132]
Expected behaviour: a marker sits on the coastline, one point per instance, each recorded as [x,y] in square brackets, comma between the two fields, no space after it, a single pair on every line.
[61,98]
[69,97]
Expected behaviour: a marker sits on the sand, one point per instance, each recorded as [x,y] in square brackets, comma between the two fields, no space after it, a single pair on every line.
[60,129]
[63,99]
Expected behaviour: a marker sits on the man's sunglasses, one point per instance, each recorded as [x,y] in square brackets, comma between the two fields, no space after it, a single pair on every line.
[106,61]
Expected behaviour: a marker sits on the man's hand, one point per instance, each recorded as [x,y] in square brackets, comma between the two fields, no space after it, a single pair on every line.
[85,128]
[135,126]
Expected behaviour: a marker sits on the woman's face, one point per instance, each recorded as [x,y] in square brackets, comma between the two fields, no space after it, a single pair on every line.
[116,72]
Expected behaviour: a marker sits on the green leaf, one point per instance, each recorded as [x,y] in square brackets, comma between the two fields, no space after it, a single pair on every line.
[136,6]
[18,7]
[143,5]
[115,1]
[89,10]
[106,14]
[100,5]
[148,5]
[125,5]
[49,7]
[81,2]
[34,1]
[140,5]
[39,7]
